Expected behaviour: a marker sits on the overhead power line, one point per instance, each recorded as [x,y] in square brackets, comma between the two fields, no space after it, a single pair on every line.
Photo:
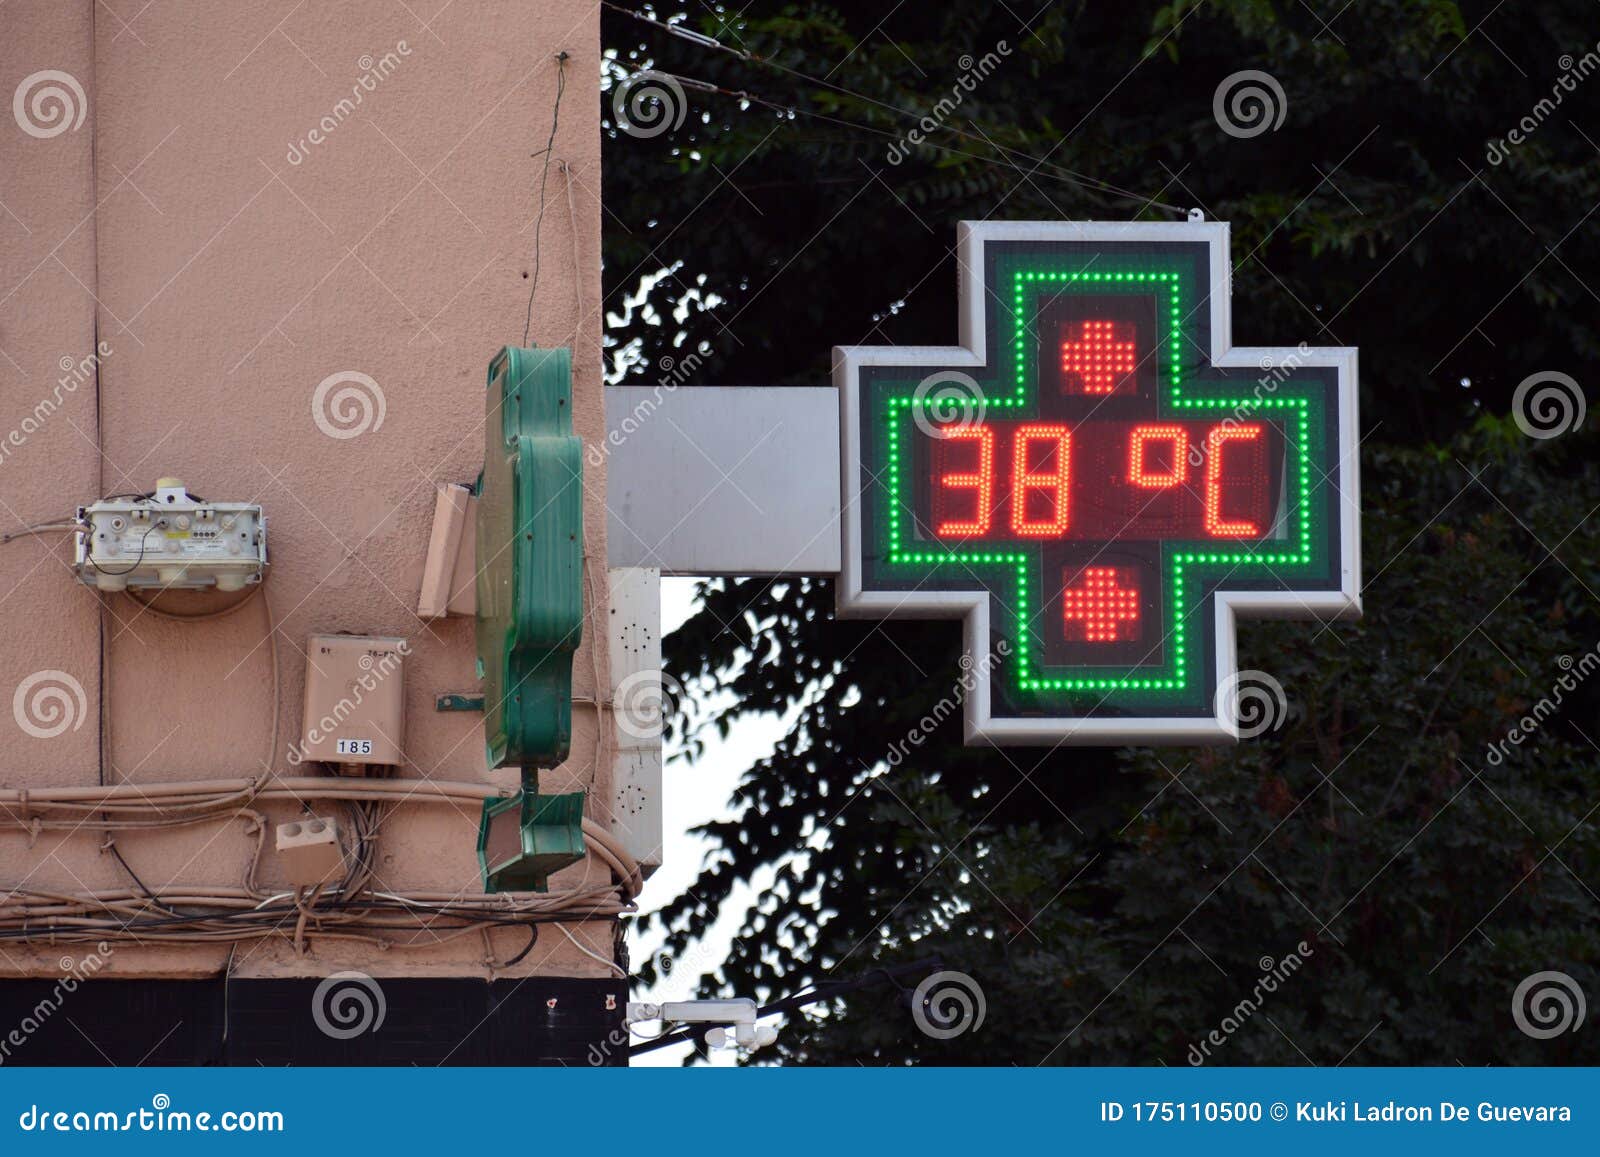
[702,40]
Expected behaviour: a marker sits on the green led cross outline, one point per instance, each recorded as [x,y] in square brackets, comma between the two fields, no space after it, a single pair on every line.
[1177,679]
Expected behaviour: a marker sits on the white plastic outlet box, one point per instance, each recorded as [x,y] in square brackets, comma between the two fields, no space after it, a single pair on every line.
[170,539]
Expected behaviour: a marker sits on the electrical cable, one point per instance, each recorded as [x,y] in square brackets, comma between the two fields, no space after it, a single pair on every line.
[602,725]
[244,912]
[277,678]
[704,41]
[611,964]
[572,223]
[259,590]
[533,938]
[197,616]
[135,565]
[103,740]
[339,918]
[544,176]
[40,528]
[793,111]
[33,913]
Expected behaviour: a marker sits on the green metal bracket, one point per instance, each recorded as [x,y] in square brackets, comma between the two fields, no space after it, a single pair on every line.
[529,558]
[458,701]
[524,838]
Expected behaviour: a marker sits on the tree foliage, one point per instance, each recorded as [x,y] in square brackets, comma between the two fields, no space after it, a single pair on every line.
[1116,906]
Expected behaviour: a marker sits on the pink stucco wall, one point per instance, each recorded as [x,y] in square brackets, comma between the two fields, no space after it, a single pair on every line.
[230,263]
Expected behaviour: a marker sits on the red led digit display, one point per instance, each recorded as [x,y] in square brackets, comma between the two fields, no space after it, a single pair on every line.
[1041,469]
[1103,481]
[1143,471]
[977,477]
[1101,605]
[1097,356]
[1221,485]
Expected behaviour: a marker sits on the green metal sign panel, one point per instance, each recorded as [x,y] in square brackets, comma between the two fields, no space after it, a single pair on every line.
[524,839]
[529,558]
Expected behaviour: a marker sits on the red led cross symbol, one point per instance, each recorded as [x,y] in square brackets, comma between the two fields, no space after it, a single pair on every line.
[1108,611]
[1102,354]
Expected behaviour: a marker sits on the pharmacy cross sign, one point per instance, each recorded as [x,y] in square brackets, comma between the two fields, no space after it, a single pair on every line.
[1096,482]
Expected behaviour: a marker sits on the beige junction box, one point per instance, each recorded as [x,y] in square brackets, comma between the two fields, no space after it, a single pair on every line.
[355,700]
[308,848]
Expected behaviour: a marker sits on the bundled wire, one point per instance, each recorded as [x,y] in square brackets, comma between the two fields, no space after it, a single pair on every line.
[384,920]
[353,910]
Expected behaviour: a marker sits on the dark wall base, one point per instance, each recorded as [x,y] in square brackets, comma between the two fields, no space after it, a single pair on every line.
[538,1021]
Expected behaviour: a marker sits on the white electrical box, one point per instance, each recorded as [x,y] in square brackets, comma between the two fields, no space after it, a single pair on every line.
[170,539]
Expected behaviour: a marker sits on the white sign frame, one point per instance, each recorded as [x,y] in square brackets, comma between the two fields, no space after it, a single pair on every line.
[972,607]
